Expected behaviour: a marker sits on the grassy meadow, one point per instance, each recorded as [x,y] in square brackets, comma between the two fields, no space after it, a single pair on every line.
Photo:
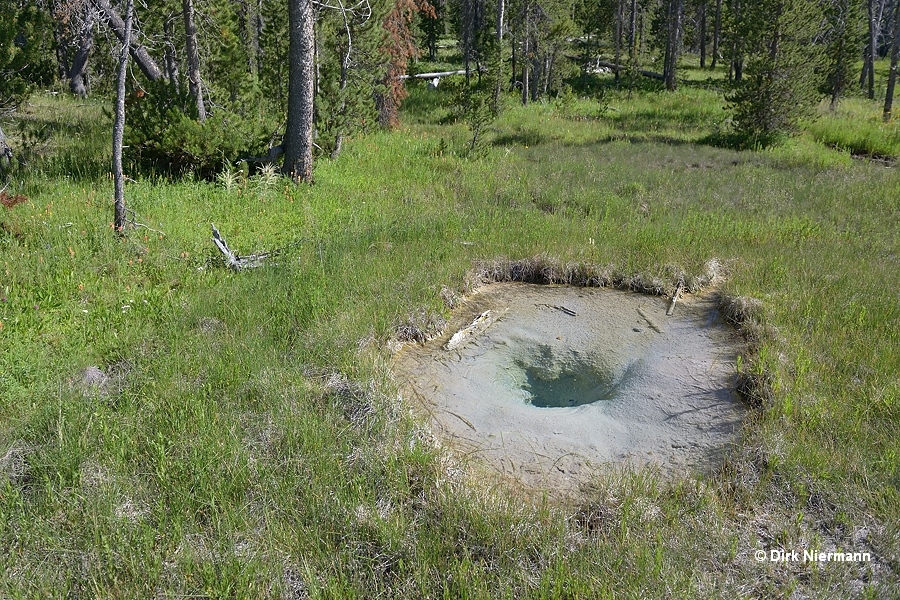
[170,429]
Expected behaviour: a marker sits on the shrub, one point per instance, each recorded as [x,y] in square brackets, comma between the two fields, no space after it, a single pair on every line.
[163,133]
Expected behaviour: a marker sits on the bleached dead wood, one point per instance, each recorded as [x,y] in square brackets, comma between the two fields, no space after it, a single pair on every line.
[675,297]
[433,75]
[238,263]
[481,322]
[141,57]
[616,68]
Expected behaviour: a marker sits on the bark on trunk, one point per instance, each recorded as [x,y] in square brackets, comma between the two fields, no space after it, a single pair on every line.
[119,123]
[673,43]
[619,17]
[838,83]
[632,47]
[513,60]
[526,56]
[5,150]
[77,73]
[703,35]
[717,33]
[260,26]
[339,137]
[171,61]
[632,34]
[892,77]
[298,136]
[193,58]
[737,60]
[871,50]
[140,55]
[545,74]
[866,72]
[501,6]
[62,56]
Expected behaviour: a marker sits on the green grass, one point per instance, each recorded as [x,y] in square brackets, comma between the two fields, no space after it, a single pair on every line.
[857,126]
[250,442]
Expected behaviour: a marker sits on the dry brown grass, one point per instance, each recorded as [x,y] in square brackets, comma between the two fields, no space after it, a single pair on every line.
[547,270]
[9,200]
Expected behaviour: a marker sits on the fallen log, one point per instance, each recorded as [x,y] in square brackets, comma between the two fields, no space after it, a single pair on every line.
[617,68]
[432,75]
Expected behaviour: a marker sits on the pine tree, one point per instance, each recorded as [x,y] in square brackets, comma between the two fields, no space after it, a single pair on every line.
[845,24]
[780,64]
[27,50]
[348,61]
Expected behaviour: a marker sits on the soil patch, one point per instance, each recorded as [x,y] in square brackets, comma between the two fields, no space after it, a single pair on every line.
[545,383]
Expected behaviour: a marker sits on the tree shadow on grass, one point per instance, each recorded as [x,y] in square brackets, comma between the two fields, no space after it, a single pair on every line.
[56,145]
[425,105]
[522,137]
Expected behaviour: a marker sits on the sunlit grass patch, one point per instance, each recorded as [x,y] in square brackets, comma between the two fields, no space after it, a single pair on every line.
[857,127]
[248,439]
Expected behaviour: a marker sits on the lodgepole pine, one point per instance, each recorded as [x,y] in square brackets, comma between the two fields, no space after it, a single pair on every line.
[119,123]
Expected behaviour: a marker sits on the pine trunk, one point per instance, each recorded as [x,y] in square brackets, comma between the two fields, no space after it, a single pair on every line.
[703,35]
[673,43]
[501,6]
[869,67]
[119,123]
[193,58]
[526,56]
[892,77]
[512,60]
[5,151]
[258,37]
[171,62]
[838,83]
[298,143]
[737,60]
[77,73]
[619,18]
[717,34]
[339,136]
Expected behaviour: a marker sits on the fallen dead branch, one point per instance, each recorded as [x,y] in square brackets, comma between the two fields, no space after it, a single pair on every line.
[135,223]
[675,297]
[250,261]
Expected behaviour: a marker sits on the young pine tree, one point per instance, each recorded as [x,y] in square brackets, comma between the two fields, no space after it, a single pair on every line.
[780,83]
[845,20]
